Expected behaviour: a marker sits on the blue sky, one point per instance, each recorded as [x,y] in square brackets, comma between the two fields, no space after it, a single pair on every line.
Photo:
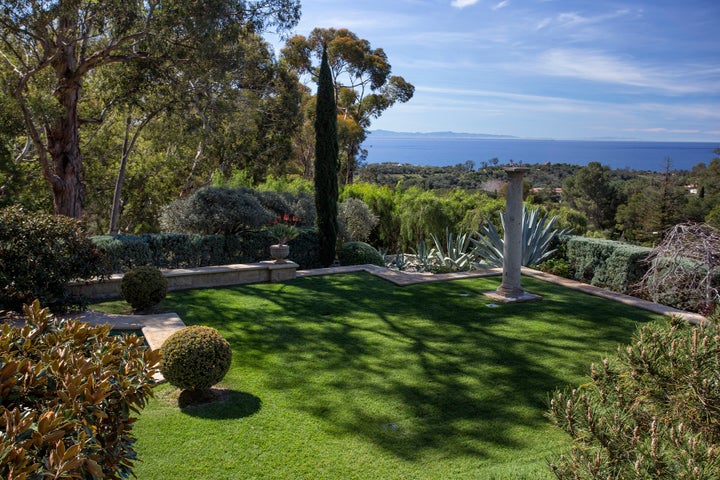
[647,70]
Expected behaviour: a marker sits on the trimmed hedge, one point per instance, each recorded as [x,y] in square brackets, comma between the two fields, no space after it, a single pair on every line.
[175,250]
[608,264]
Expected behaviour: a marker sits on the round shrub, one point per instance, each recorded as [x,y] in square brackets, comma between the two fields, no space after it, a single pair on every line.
[359,253]
[195,358]
[144,287]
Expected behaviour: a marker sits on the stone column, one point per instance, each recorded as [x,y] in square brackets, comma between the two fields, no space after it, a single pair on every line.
[510,290]
[512,248]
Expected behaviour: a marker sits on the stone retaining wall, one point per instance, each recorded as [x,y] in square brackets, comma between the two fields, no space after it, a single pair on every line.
[190,278]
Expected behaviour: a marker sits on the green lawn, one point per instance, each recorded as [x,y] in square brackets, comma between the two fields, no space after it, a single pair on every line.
[350,377]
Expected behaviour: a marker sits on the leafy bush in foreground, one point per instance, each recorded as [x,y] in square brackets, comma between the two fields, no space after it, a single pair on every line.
[66,392]
[39,255]
[143,287]
[649,413]
[195,358]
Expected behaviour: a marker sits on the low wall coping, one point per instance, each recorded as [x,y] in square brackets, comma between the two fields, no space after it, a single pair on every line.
[195,277]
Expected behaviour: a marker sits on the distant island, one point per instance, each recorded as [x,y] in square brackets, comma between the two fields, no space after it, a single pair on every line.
[389,133]
[490,136]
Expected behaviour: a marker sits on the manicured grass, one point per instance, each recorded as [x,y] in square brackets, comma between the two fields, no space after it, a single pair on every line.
[350,377]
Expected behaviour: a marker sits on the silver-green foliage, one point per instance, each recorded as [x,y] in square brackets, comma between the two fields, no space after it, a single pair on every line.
[537,236]
[213,210]
[225,210]
[422,256]
[456,254]
[356,220]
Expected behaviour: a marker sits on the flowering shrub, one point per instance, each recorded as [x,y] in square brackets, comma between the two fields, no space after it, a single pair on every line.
[283,229]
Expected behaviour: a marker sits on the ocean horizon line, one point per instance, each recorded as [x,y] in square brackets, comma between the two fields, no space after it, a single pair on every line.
[449,150]
[382,133]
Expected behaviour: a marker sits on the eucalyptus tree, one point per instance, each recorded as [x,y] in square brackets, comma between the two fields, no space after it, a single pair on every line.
[164,140]
[50,47]
[364,86]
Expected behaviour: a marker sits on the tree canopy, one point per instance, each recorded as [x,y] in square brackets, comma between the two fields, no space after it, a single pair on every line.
[364,86]
[592,192]
[49,49]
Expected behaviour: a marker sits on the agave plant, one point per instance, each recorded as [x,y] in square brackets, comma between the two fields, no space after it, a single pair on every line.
[422,256]
[459,255]
[489,245]
[537,235]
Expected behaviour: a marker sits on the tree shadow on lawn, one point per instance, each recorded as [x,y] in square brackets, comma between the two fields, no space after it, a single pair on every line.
[422,368]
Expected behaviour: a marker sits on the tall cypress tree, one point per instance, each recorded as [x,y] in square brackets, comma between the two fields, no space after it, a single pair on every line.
[326,164]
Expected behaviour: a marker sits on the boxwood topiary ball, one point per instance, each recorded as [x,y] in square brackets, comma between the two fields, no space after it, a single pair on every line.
[195,358]
[359,253]
[144,287]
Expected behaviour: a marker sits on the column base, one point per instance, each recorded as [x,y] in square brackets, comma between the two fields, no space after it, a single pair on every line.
[518,296]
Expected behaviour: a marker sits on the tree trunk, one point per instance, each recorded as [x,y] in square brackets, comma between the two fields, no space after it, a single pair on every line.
[64,148]
[117,195]
[63,136]
[127,148]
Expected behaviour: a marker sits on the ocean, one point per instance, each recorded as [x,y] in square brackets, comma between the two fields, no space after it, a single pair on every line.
[447,151]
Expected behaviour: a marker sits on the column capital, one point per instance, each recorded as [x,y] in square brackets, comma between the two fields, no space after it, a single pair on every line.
[515,169]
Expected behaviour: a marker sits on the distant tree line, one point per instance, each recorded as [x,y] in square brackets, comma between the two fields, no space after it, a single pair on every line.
[635,206]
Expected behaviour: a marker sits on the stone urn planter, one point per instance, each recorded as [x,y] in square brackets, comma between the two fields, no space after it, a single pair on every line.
[279,252]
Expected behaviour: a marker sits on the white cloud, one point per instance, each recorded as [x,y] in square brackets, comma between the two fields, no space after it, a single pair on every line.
[600,67]
[543,23]
[573,21]
[463,3]
[502,4]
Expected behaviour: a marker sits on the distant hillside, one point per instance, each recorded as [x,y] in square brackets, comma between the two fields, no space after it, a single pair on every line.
[389,133]
[463,175]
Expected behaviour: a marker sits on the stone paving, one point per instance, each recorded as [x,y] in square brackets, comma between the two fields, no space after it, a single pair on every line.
[155,327]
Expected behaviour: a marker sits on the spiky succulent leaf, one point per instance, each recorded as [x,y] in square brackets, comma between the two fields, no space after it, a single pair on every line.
[537,236]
